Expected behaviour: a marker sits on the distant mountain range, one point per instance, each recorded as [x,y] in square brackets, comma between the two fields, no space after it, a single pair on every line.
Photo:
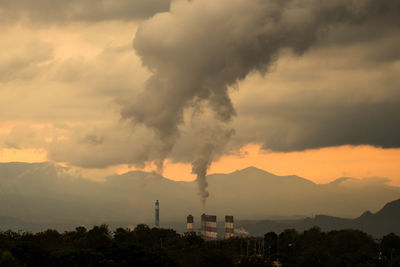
[44,193]
[385,221]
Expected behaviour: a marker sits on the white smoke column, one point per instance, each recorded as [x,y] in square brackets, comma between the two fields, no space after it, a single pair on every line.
[210,146]
[202,47]
[200,167]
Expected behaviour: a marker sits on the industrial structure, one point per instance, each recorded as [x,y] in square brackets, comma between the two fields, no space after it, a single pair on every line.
[208,230]
[229,230]
[157,214]
[209,227]
[189,224]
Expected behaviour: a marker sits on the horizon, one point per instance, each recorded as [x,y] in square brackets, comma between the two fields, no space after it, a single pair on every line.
[384,180]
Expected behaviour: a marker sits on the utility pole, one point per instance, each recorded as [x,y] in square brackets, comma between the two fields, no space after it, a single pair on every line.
[247,250]
[391,257]
[263,247]
[241,247]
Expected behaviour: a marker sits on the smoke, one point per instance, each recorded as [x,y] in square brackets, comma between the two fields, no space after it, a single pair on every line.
[211,143]
[201,48]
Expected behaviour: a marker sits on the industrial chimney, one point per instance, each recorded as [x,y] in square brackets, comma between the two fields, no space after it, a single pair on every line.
[157,214]
[229,231]
[189,224]
[209,227]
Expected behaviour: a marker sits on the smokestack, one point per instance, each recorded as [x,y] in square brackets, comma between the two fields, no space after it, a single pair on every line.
[157,213]
[209,227]
[229,230]
[189,224]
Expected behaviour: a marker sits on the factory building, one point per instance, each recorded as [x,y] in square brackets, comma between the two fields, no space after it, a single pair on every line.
[229,230]
[157,214]
[189,224]
[208,230]
[209,227]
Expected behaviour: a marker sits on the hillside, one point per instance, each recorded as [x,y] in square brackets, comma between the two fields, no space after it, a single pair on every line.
[383,222]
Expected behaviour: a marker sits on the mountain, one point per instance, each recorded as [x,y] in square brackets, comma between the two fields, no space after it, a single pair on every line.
[385,221]
[254,193]
[44,192]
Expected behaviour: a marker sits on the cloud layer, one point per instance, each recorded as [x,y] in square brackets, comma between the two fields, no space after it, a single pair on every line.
[201,81]
[200,49]
[64,11]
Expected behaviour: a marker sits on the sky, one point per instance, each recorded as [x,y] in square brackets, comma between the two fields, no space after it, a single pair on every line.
[190,88]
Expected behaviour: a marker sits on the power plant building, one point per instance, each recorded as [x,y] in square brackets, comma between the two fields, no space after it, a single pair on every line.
[229,230]
[189,224]
[209,227]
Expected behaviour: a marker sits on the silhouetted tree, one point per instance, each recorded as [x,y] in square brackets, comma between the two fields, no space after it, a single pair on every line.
[99,237]
[146,246]
[351,248]
[7,260]
[390,247]
[271,245]
[287,242]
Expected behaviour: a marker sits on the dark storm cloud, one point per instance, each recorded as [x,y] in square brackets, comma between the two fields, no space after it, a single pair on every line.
[201,48]
[307,125]
[57,11]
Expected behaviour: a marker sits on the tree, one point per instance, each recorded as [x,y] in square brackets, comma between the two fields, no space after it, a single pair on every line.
[390,247]
[7,260]
[351,248]
[99,237]
[312,248]
[287,242]
[271,245]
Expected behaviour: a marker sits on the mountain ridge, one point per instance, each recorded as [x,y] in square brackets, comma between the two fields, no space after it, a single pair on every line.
[33,191]
[384,221]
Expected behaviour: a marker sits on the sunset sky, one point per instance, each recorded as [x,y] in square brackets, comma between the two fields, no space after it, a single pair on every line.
[105,87]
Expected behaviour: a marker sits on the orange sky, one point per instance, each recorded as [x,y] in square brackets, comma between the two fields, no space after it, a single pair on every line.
[319,165]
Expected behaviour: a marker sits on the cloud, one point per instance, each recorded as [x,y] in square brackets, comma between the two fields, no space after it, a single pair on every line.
[25,136]
[348,98]
[62,11]
[23,60]
[372,182]
[200,49]
[103,145]
[224,74]
[39,81]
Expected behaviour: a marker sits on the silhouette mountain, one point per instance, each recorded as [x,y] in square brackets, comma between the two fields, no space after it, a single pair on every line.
[44,192]
[385,221]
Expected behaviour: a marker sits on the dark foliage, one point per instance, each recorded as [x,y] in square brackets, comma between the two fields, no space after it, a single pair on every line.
[144,246]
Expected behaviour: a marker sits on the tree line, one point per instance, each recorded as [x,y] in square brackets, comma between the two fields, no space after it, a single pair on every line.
[145,246]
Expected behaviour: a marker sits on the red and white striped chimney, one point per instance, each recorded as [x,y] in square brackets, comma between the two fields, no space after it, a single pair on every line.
[189,224]
[229,230]
[209,227]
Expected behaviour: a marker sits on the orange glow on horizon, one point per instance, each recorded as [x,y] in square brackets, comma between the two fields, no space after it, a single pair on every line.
[22,155]
[319,165]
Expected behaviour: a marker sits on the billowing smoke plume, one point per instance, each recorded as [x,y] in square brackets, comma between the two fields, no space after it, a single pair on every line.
[211,143]
[201,48]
